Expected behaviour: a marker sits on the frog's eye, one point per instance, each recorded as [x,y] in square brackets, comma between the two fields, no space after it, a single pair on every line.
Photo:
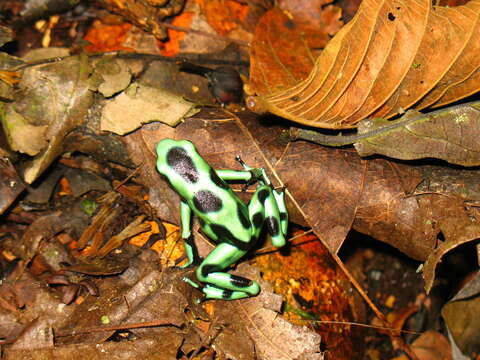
[179,160]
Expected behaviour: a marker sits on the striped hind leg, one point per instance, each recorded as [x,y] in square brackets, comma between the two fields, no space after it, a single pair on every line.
[221,284]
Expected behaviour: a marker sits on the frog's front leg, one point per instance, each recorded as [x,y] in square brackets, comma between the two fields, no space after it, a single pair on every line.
[188,242]
[220,284]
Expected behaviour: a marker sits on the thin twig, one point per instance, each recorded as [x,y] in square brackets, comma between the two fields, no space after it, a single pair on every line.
[116,327]
[197,58]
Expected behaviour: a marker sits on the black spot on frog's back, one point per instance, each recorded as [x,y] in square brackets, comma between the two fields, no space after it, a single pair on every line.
[179,160]
[206,201]
[217,181]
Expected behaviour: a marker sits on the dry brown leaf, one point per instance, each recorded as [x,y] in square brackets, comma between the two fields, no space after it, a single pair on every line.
[392,55]
[142,104]
[251,320]
[305,278]
[457,227]
[461,316]
[432,345]
[11,185]
[450,134]
[53,99]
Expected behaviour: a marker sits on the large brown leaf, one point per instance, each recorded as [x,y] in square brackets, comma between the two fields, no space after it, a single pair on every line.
[393,55]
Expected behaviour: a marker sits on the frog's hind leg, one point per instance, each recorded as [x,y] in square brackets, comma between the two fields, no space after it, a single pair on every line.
[276,217]
[267,208]
[220,284]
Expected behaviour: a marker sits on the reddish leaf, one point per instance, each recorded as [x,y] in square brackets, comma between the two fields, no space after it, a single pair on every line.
[279,62]
[224,15]
[107,37]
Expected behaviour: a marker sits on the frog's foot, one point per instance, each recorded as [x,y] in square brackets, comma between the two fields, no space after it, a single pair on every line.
[191,252]
[281,189]
[191,282]
[189,264]
[257,173]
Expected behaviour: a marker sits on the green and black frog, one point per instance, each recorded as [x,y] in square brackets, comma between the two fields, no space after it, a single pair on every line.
[233,225]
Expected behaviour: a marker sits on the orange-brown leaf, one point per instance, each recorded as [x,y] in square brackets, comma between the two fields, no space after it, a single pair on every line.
[285,47]
[393,55]
[223,15]
[105,37]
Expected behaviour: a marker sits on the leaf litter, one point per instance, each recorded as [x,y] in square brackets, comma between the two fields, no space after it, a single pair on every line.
[272,154]
[204,131]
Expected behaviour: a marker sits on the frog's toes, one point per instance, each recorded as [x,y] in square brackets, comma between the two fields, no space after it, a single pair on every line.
[281,189]
[191,282]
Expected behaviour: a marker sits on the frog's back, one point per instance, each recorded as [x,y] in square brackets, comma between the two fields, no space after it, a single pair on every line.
[210,198]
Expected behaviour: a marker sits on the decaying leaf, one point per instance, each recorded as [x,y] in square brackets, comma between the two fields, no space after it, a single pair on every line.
[305,279]
[141,104]
[451,134]
[22,135]
[111,76]
[461,316]
[392,55]
[432,345]
[146,14]
[10,183]
[53,99]
[457,226]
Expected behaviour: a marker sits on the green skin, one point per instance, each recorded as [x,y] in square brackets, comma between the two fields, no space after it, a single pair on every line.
[234,226]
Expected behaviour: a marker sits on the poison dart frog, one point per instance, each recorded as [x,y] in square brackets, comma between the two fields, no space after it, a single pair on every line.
[230,223]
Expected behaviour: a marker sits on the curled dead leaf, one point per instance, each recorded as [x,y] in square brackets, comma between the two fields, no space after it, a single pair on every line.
[392,55]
